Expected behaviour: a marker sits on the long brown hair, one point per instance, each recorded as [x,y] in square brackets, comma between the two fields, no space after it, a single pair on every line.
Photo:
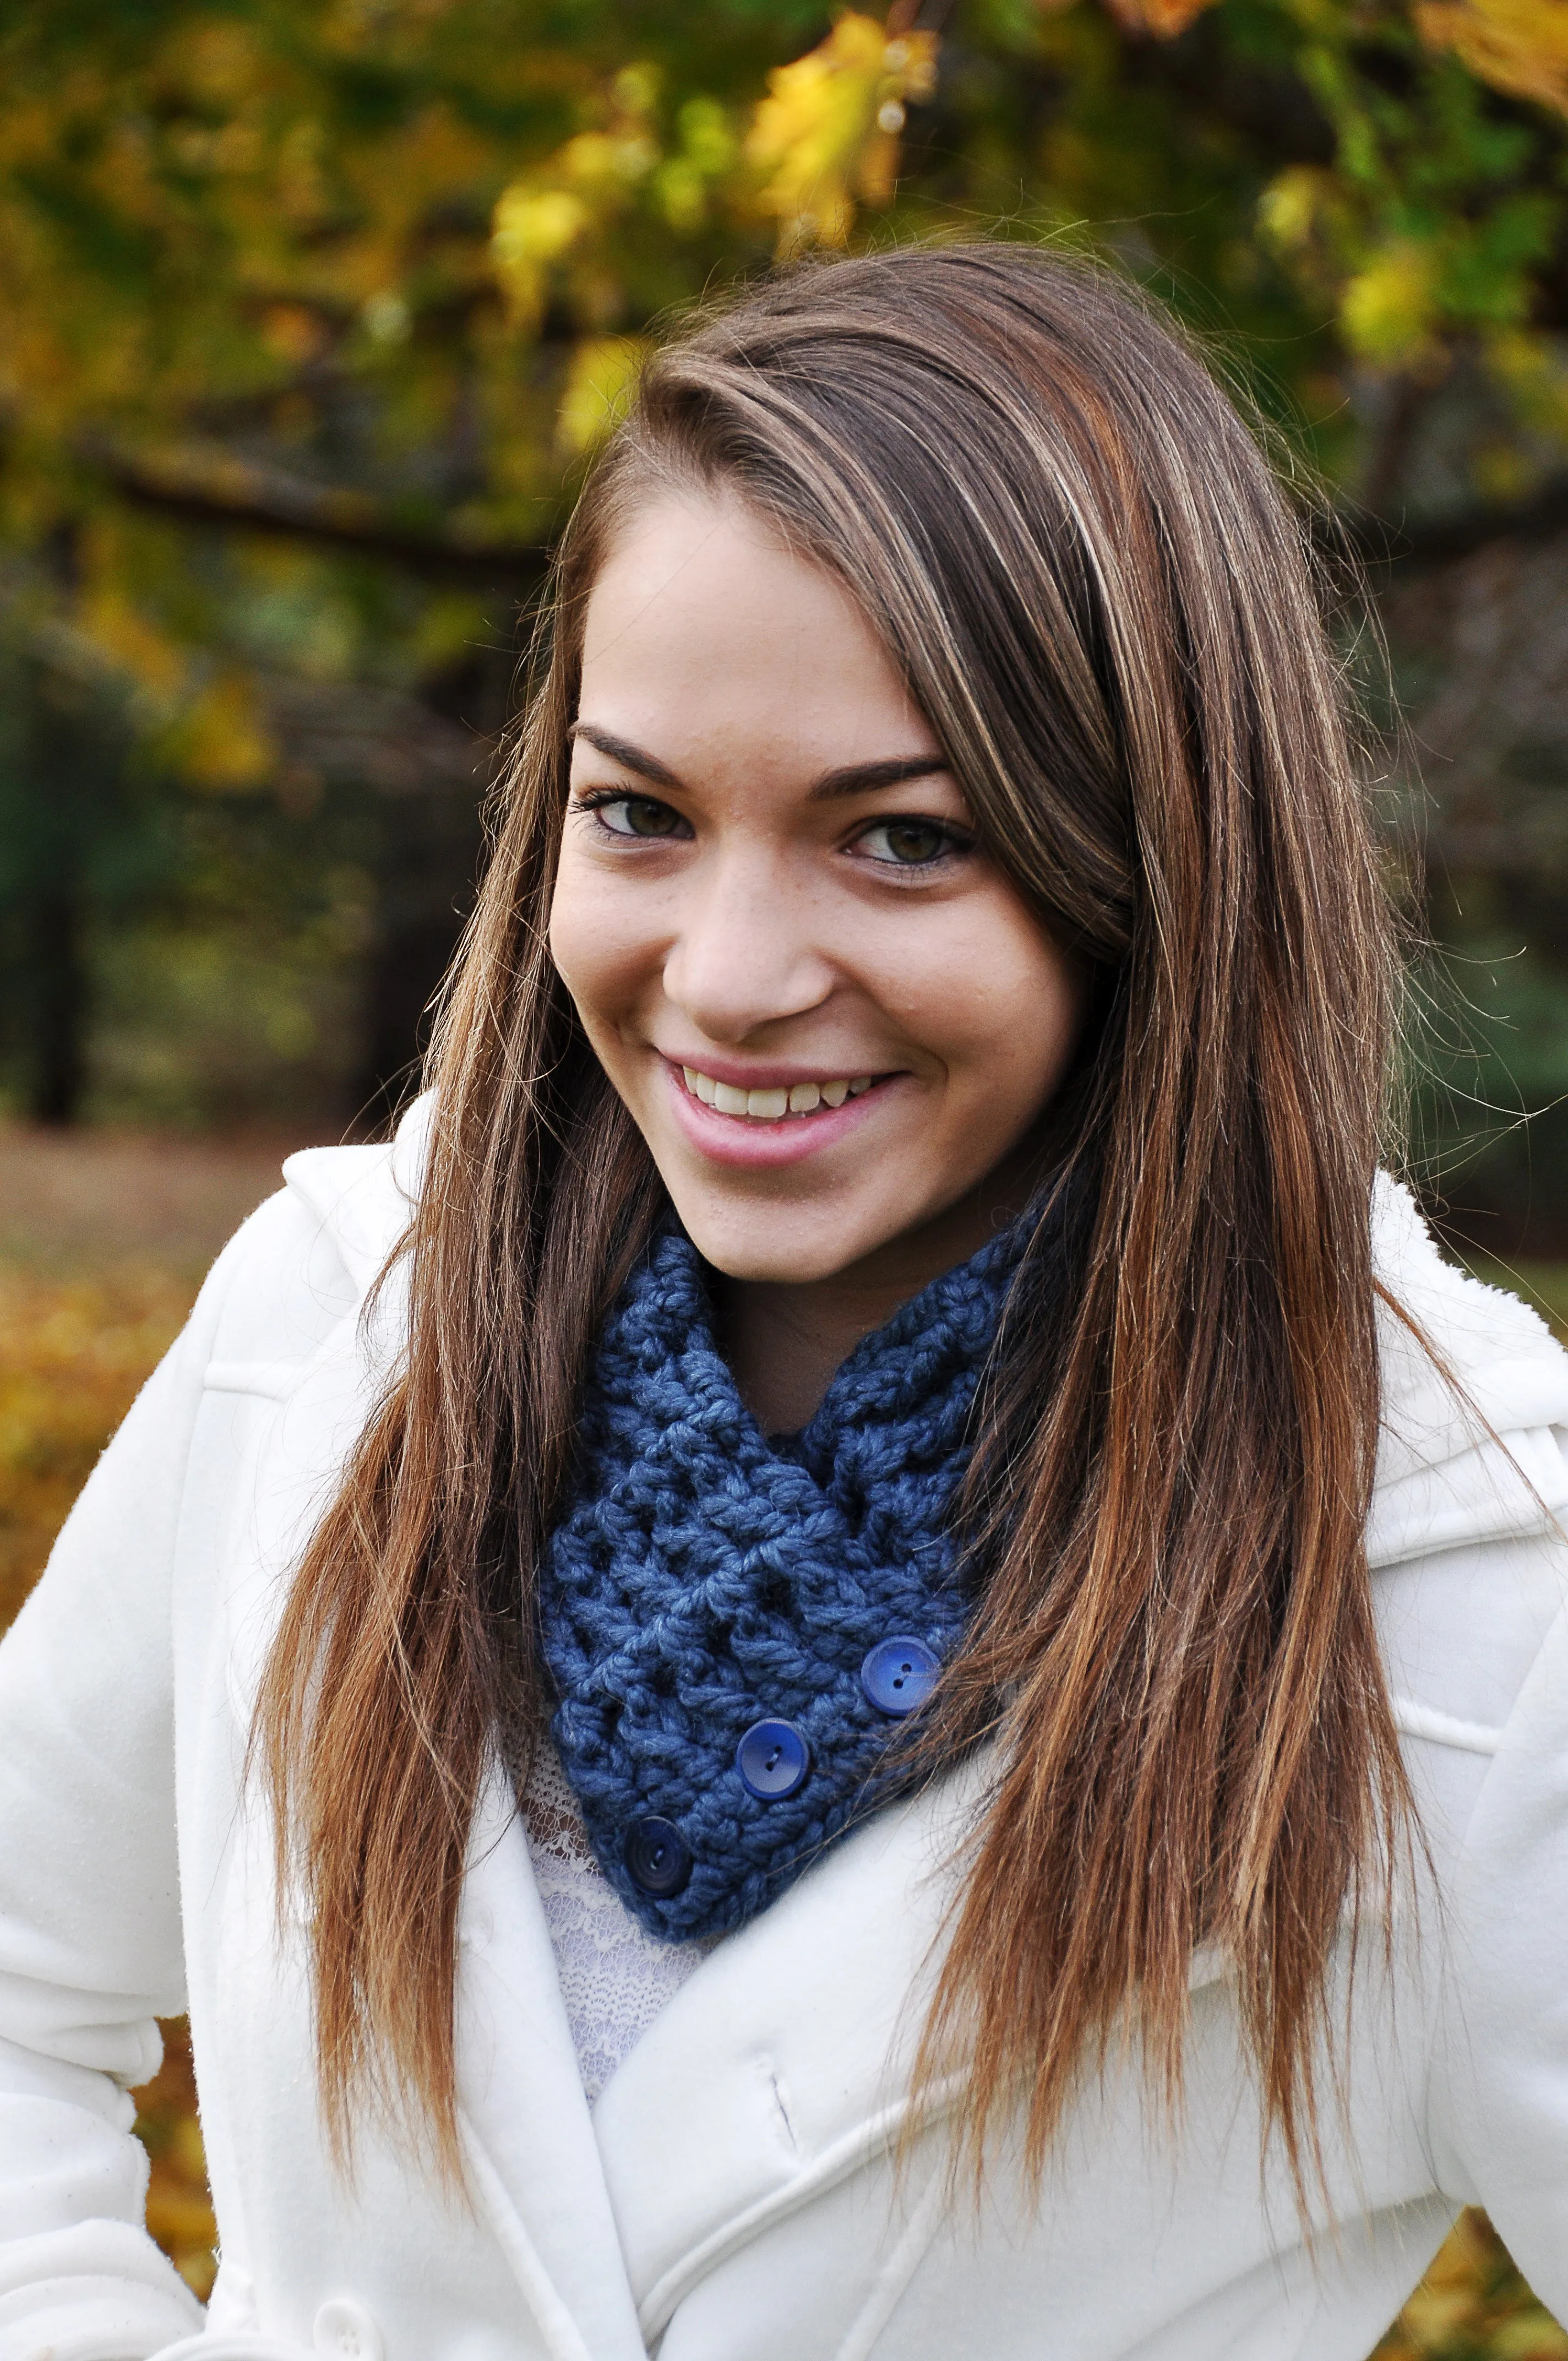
[1072,545]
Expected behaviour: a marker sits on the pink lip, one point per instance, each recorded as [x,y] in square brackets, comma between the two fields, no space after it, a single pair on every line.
[744,1076]
[730,1139]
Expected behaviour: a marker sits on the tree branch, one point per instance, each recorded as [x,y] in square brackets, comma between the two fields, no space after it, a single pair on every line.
[213,487]
[1438,541]
[208,485]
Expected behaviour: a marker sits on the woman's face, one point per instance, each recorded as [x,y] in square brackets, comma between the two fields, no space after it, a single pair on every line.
[829,1013]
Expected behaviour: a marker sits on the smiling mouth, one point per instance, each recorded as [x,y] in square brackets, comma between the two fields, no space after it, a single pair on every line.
[774,1106]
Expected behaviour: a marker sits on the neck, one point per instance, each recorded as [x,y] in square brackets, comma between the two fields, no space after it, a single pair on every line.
[783,1339]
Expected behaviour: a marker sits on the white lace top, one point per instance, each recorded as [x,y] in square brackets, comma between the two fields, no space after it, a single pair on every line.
[614,1978]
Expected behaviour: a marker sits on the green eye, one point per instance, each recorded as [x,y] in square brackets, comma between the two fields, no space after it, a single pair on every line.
[640,816]
[907,843]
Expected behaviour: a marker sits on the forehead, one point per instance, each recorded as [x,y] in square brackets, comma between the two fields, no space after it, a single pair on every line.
[705,631]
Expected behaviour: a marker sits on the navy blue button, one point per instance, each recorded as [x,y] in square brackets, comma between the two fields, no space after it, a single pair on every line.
[899,1675]
[658,1857]
[773,1759]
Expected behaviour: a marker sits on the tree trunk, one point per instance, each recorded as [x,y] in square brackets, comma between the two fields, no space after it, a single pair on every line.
[56,987]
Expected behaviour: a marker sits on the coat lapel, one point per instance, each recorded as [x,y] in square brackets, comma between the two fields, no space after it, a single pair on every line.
[533,2156]
[781,2066]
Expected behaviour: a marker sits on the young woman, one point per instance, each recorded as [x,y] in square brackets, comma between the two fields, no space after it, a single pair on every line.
[882,1395]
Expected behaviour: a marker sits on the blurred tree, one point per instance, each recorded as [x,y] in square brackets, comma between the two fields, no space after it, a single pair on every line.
[312,314]
[85,837]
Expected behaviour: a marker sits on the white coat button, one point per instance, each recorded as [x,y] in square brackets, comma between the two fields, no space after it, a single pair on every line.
[345,2331]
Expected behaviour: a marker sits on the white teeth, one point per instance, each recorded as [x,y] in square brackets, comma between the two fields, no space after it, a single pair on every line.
[771,1105]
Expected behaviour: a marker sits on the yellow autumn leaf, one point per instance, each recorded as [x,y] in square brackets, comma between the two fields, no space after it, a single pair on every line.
[601,163]
[827,132]
[599,383]
[1535,373]
[536,224]
[120,628]
[220,742]
[1386,309]
[564,203]
[1519,46]
[707,155]
[533,227]
[1289,208]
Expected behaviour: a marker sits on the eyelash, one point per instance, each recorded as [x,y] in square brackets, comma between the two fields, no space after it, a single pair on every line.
[956,842]
[602,799]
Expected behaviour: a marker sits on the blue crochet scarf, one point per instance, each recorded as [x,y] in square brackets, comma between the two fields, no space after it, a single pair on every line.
[708,1578]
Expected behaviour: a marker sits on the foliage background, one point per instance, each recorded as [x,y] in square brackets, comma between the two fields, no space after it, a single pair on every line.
[310,316]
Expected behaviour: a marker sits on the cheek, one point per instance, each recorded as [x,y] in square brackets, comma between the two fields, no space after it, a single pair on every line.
[567,948]
[600,958]
[1002,1008]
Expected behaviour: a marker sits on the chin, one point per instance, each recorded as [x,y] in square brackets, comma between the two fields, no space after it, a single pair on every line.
[771,1268]
[758,1247]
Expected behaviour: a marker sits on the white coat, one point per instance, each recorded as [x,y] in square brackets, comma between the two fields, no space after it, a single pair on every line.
[730,2196]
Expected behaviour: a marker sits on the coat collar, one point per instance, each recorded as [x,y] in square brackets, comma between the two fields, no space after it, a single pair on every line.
[365,1197]
[1460,1366]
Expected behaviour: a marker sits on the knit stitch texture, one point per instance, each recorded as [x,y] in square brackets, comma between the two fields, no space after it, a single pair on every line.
[707,1576]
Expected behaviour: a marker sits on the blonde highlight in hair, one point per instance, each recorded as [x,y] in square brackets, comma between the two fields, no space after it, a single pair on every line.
[1073,549]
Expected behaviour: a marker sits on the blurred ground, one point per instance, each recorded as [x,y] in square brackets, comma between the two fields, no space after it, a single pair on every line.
[104,1239]
[79,1200]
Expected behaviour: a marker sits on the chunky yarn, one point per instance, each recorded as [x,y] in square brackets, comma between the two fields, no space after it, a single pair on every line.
[707,1577]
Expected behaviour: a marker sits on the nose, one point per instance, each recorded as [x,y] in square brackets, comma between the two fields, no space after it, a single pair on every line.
[746,953]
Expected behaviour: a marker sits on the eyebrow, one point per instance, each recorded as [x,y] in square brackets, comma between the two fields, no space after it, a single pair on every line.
[853,779]
[629,757]
[862,778]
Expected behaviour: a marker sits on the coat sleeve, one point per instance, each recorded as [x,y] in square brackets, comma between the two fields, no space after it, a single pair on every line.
[1499,2111]
[89,1921]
